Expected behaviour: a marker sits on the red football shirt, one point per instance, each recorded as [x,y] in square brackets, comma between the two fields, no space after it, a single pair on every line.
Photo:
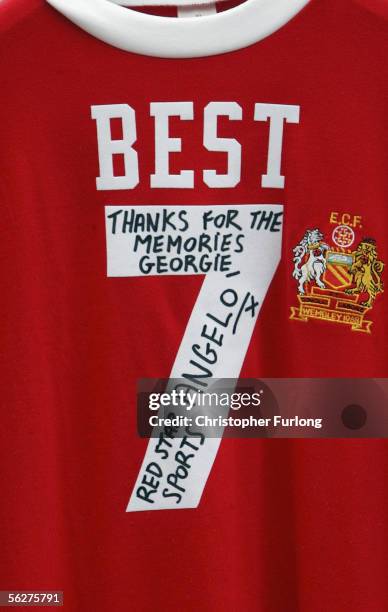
[153,175]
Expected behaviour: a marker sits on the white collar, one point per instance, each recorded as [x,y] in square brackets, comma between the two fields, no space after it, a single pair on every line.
[138,32]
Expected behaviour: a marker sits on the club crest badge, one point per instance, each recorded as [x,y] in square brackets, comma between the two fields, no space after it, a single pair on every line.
[338,279]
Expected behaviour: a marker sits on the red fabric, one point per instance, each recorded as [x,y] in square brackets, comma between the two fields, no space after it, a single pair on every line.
[283,525]
[379,7]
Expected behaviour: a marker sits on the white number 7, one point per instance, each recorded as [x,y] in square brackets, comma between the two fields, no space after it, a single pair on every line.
[226,310]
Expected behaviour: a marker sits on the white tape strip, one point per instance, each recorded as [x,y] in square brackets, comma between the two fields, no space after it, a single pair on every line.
[223,316]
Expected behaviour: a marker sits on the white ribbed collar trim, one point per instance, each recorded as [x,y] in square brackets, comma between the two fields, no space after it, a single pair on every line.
[137,32]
